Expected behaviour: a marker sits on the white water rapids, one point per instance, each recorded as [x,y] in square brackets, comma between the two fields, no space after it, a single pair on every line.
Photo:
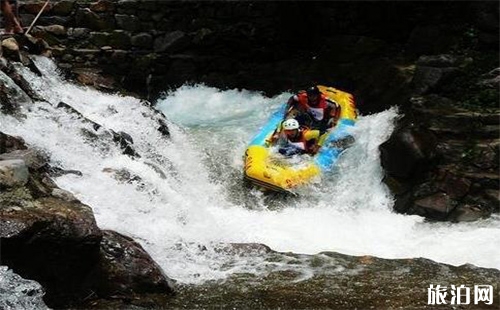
[201,199]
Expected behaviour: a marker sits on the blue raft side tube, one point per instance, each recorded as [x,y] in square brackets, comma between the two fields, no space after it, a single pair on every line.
[328,154]
[270,126]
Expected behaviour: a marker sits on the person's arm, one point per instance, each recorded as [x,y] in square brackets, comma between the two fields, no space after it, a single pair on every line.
[333,113]
[275,135]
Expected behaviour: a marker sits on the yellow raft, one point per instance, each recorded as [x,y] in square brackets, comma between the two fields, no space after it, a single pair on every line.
[279,176]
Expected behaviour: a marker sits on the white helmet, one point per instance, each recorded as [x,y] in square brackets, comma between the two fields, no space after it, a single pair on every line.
[291,124]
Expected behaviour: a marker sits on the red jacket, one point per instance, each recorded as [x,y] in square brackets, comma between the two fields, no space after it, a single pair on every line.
[318,111]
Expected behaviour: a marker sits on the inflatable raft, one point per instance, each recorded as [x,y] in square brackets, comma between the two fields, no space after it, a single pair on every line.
[261,168]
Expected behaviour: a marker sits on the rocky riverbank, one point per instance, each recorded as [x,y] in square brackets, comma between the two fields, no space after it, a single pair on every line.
[49,236]
[329,281]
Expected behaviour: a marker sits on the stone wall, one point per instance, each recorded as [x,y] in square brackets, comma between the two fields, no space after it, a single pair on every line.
[151,46]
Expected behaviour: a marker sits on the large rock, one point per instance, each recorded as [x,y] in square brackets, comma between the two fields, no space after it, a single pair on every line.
[10,49]
[170,42]
[128,22]
[34,7]
[49,240]
[102,6]
[87,19]
[427,79]
[78,33]
[10,143]
[125,269]
[99,39]
[408,152]
[468,213]
[64,7]
[120,39]
[437,206]
[33,159]
[142,40]
[57,30]
[13,173]
[334,281]
[11,95]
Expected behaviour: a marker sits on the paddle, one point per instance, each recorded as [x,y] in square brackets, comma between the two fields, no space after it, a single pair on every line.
[36,18]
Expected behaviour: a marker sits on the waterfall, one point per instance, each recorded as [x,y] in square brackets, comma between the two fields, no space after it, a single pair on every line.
[184,195]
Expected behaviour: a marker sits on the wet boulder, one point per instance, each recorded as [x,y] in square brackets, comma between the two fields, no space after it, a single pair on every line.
[437,206]
[9,143]
[13,172]
[10,49]
[331,280]
[408,152]
[33,159]
[125,269]
[50,240]
[171,42]
[468,213]
[11,95]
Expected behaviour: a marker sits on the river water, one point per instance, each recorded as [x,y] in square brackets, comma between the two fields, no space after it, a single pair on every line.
[188,194]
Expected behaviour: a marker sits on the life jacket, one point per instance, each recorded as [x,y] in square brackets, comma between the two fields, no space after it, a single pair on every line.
[319,111]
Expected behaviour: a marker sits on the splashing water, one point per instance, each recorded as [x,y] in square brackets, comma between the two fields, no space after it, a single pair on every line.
[188,192]
[19,293]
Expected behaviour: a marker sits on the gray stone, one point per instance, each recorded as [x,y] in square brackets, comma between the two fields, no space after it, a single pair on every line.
[68,58]
[100,39]
[142,40]
[32,158]
[144,15]
[468,213]
[54,20]
[120,39]
[11,95]
[126,268]
[157,16]
[408,152]
[436,206]
[429,78]
[102,6]
[57,30]
[64,7]
[63,194]
[169,42]
[128,22]
[10,49]
[78,33]
[88,19]
[454,185]
[127,5]
[10,143]
[491,79]
[13,173]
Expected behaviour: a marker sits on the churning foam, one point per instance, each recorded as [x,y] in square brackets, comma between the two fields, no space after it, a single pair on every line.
[188,192]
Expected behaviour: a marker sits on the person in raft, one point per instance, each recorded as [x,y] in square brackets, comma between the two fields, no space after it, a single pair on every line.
[294,139]
[313,109]
[9,10]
